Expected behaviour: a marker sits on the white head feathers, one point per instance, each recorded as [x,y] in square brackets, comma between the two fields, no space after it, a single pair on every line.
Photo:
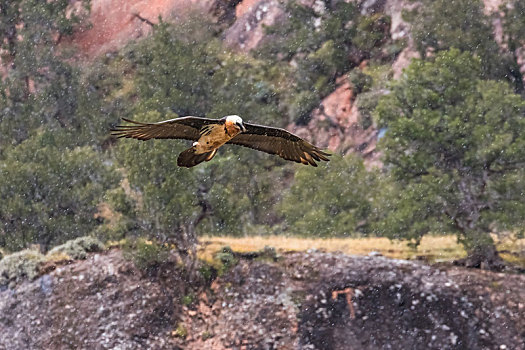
[234,119]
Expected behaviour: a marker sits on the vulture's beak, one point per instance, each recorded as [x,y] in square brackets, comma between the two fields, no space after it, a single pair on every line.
[241,126]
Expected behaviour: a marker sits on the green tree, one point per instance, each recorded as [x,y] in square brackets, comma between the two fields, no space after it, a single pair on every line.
[174,69]
[336,201]
[455,145]
[228,195]
[50,192]
[28,24]
[40,86]
[440,25]
[50,111]
[243,188]
[182,70]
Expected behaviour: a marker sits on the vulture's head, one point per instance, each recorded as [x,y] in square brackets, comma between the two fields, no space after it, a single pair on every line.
[234,121]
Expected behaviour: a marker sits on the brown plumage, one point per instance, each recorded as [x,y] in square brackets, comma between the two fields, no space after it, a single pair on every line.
[210,134]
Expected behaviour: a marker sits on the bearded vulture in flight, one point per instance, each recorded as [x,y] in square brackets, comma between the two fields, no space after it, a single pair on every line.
[210,134]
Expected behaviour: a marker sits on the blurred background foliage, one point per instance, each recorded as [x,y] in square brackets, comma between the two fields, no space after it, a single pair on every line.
[453,126]
[335,202]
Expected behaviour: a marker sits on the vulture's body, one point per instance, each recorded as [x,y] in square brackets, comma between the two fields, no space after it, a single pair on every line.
[210,134]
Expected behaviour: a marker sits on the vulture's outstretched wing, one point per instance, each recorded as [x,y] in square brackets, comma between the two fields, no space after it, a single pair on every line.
[179,128]
[280,142]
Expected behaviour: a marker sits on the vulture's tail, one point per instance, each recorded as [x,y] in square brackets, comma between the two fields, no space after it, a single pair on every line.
[189,158]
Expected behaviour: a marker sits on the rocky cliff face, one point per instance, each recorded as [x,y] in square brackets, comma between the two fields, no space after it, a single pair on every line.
[308,300]
[116,22]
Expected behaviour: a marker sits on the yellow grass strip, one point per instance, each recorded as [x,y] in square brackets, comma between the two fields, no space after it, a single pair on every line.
[433,248]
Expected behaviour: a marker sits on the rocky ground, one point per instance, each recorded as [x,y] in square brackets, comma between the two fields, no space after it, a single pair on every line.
[298,301]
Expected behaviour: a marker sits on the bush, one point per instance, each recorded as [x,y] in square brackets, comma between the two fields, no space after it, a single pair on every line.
[79,247]
[18,266]
[226,257]
[366,104]
[361,82]
[332,202]
[145,254]
[115,231]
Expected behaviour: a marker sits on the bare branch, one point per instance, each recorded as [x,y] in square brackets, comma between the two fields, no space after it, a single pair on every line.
[145,20]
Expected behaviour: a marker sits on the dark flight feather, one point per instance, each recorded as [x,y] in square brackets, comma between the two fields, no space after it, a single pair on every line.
[187,128]
[280,142]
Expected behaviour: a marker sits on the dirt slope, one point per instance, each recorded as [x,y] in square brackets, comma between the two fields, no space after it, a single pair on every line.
[297,302]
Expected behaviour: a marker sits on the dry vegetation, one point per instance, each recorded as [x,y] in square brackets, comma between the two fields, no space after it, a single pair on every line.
[432,248]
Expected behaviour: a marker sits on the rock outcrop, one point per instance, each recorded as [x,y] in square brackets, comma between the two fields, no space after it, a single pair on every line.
[247,32]
[336,124]
[303,300]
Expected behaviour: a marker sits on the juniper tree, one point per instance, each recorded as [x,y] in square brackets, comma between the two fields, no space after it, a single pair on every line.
[456,146]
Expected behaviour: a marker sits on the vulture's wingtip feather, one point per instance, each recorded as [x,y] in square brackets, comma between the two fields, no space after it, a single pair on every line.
[133,121]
